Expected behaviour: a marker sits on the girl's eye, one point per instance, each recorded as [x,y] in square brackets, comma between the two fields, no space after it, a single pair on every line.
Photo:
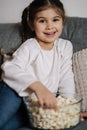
[55,20]
[42,21]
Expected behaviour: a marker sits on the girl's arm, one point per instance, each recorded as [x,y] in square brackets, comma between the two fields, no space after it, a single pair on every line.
[67,84]
[44,96]
[18,72]
[19,75]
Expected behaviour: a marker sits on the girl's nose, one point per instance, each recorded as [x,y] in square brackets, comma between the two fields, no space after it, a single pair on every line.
[49,25]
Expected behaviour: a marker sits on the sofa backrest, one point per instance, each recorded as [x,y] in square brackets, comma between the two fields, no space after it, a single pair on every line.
[10,36]
[75,30]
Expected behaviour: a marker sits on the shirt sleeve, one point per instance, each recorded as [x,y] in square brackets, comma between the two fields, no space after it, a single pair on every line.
[18,73]
[66,83]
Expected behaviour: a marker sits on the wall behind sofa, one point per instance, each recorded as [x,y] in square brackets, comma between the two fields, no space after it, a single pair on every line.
[11,10]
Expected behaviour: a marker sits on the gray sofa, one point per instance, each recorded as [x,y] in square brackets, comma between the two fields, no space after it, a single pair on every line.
[74,30]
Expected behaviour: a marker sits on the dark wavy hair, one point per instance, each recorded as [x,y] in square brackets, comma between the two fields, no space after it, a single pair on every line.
[35,6]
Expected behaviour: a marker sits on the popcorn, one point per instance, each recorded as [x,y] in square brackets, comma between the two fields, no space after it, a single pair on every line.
[65,116]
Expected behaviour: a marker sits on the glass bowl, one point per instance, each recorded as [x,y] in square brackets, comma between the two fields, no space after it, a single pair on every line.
[67,114]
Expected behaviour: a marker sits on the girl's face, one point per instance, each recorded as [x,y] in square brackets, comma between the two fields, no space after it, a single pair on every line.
[48,26]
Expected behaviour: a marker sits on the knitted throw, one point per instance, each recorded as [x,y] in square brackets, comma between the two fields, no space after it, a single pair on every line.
[80,74]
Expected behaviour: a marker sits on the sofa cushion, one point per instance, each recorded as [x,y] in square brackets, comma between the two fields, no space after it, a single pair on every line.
[80,73]
[75,30]
[10,37]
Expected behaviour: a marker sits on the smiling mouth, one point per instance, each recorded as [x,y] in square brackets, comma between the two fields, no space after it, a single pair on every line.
[50,33]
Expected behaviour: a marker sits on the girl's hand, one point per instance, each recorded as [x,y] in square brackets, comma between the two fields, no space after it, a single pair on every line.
[45,97]
[83,115]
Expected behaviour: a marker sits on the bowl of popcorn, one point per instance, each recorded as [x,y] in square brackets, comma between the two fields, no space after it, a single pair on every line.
[67,115]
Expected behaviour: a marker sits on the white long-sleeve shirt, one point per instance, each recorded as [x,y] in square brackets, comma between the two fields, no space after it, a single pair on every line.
[31,63]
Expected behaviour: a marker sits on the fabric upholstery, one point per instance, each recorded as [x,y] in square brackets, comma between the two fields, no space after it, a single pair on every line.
[80,74]
[75,30]
[10,36]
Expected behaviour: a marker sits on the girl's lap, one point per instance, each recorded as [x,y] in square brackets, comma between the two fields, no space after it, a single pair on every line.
[13,114]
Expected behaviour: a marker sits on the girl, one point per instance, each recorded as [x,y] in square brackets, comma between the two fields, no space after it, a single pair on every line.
[42,64]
